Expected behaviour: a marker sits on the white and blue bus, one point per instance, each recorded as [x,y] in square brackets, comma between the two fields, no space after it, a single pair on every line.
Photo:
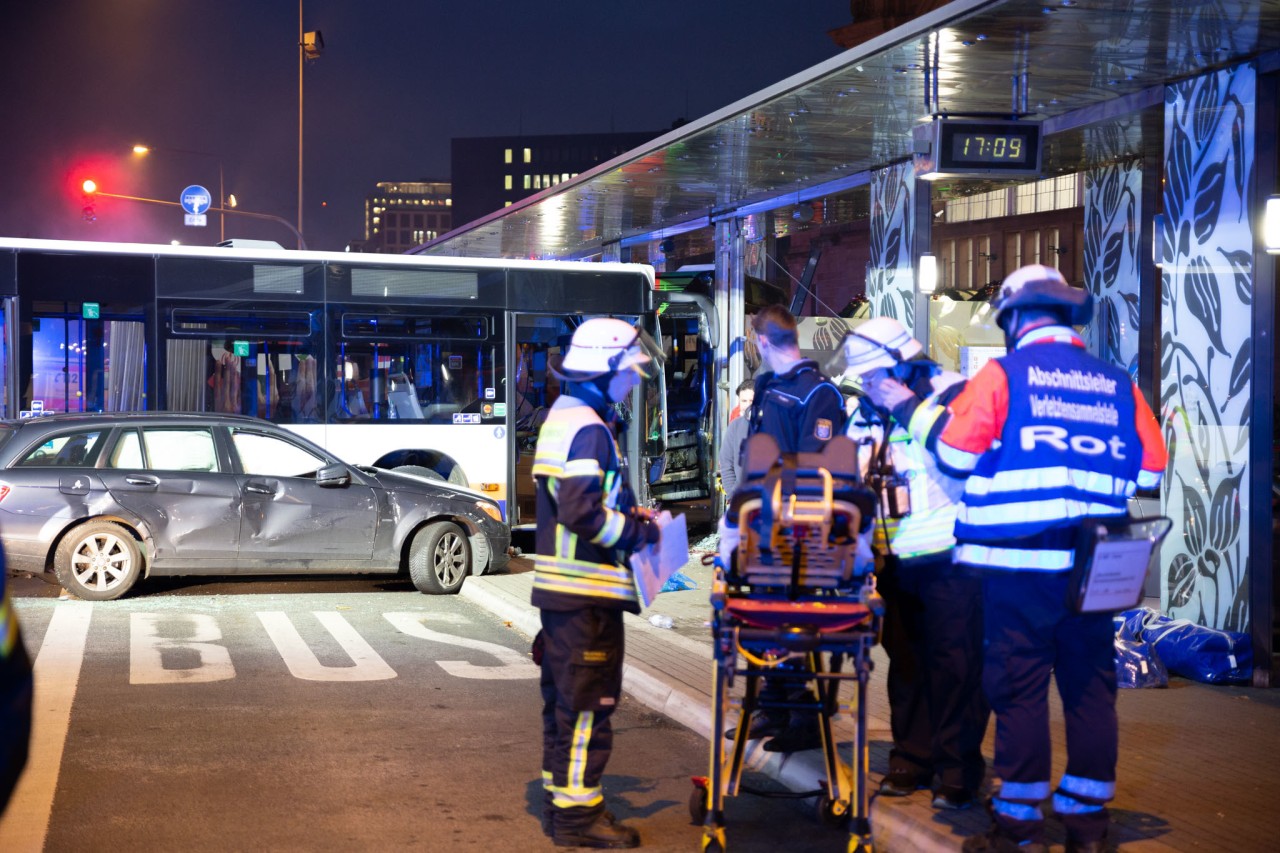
[434,364]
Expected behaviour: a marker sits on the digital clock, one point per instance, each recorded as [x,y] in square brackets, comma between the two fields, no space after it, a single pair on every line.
[964,148]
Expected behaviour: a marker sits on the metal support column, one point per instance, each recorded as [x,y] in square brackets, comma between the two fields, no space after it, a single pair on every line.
[921,242]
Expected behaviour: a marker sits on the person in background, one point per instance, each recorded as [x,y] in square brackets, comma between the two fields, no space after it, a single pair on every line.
[15,696]
[734,435]
[933,620]
[587,526]
[1048,437]
[802,409]
[746,393]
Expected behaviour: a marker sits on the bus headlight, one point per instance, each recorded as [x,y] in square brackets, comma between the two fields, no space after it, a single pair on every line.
[490,510]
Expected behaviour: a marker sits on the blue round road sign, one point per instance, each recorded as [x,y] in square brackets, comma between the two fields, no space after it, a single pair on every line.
[195,199]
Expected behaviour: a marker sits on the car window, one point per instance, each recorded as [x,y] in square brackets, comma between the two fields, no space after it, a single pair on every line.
[182,449]
[268,456]
[66,450]
[128,451]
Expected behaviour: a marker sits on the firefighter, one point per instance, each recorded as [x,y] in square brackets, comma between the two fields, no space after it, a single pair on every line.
[15,696]
[587,525]
[1047,436]
[933,620]
[801,408]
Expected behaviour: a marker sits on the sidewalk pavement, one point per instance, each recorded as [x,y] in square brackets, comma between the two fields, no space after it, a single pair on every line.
[1195,760]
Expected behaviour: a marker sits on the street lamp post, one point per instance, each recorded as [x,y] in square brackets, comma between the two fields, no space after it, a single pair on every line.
[310,46]
[143,150]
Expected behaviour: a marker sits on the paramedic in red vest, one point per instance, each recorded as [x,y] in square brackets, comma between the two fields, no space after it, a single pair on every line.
[933,609]
[1047,436]
[587,526]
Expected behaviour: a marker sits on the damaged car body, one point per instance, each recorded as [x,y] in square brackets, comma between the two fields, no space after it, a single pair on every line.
[100,501]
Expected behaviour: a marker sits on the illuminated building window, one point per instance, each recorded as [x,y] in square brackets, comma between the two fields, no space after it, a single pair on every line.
[555,179]
[506,204]
[546,180]
[528,155]
[448,202]
[506,156]
[537,182]
[528,182]
[506,182]
[564,176]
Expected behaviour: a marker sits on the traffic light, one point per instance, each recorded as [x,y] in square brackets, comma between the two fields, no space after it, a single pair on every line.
[87,212]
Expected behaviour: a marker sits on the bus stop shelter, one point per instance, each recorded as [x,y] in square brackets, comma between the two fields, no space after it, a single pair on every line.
[1169,112]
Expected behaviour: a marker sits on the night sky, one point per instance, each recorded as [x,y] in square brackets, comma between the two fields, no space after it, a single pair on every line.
[83,80]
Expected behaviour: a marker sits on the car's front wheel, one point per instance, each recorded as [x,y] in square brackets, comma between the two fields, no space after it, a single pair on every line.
[98,561]
[439,558]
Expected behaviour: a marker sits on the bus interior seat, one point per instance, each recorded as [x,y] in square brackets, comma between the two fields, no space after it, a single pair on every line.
[405,404]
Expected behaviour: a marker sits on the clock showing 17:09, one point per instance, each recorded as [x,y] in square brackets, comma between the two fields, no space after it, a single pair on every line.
[987,147]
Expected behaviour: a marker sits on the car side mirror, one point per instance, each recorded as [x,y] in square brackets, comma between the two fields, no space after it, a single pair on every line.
[333,476]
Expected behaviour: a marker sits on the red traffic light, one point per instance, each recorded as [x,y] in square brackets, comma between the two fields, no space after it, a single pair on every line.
[89,186]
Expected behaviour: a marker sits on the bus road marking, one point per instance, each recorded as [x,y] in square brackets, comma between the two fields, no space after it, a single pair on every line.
[147,649]
[302,662]
[512,664]
[57,673]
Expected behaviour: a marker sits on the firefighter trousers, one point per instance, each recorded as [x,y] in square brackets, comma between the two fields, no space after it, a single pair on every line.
[581,682]
[933,637]
[1031,631]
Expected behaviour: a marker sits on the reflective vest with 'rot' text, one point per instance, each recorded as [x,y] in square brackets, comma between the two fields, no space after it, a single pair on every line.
[1051,436]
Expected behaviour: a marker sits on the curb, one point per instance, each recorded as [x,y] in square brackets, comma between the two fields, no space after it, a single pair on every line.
[892,830]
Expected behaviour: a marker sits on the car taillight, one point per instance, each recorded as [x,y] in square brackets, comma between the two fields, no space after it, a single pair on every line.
[4,490]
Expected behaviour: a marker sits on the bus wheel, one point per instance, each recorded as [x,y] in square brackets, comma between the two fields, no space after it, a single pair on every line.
[439,558]
[98,561]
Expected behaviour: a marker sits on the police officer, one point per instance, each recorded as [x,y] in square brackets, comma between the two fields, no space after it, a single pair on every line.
[587,525]
[15,696]
[801,408]
[933,619]
[1047,436]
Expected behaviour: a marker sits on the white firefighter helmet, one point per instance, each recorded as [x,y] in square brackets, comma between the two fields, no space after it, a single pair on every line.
[879,342]
[1039,286]
[605,345]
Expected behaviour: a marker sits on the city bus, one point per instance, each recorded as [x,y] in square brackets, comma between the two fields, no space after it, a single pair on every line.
[435,366]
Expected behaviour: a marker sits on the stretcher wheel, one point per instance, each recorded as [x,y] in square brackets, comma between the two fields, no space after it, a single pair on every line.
[834,813]
[698,805]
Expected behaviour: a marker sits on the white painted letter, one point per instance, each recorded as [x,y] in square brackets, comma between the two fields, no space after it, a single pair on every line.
[302,662]
[511,665]
[199,631]
[1054,436]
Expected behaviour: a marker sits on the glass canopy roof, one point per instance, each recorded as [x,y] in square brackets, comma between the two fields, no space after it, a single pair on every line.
[1067,62]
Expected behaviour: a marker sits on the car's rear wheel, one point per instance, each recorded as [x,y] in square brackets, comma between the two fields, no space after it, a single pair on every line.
[439,558]
[98,561]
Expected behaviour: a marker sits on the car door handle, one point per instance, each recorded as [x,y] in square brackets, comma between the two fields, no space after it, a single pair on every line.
[259,487]
[140,480]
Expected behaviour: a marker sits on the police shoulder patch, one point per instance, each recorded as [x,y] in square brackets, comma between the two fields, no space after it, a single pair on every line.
[822,430]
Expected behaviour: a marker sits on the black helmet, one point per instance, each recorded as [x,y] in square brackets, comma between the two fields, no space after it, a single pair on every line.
[1038,286]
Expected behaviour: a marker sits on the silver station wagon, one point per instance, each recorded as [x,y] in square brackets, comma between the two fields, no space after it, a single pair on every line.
[102,500]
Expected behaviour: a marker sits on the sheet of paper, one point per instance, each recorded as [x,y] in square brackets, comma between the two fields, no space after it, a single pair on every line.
[1117,574]
[654,564]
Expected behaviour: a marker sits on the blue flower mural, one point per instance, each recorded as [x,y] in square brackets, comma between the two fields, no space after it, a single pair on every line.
[1206,247]
[891,276]
[1112,202]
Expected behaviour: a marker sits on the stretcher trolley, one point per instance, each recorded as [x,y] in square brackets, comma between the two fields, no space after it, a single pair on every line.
[796,602]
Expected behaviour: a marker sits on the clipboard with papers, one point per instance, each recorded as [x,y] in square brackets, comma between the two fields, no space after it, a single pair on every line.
[1112,561]
[653,565]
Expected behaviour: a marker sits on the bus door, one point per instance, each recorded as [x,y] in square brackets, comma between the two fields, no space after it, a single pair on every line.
[539,337]
[687,323]
[84,359]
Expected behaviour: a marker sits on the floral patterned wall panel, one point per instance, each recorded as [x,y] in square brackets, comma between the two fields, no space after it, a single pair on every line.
[891,275]
[1112,222]
[1206,247]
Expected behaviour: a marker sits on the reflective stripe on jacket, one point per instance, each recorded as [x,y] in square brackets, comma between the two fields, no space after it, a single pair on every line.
[1049,435]
[8,623]
[928,528]
[582,528]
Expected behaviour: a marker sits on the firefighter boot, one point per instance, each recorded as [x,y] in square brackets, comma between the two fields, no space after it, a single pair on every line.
[571,830]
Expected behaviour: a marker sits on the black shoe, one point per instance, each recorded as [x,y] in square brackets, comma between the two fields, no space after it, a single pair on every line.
[996,841]
[953,799]
[901,784]
[794,739]
[761,726]
[604,832]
